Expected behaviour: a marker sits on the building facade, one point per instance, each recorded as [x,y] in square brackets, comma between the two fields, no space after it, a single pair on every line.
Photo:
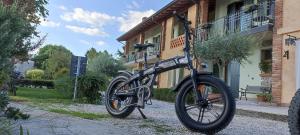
[258,18]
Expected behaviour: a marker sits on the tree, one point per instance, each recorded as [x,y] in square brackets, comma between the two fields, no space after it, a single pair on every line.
[105,64]
[222,50]
[32,12]
[91,54]
[52,59]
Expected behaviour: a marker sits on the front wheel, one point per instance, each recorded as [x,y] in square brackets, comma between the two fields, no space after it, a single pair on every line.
[211,115]
[294,115]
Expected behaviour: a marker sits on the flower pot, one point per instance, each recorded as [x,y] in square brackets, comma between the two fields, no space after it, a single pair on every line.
[261,98]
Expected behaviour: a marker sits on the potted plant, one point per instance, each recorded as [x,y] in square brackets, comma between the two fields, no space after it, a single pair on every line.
[268,97]
[264,97]
[265,67]
[260,97]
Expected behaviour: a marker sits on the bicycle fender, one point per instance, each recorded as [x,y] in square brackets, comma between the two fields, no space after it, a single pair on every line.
[177,87]
[125,72]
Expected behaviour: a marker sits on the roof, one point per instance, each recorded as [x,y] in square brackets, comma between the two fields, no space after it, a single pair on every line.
[159,16]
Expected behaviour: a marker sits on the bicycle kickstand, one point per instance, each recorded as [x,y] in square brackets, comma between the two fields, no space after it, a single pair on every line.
[143,115]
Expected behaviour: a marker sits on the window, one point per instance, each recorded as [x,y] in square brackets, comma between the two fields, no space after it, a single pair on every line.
[178,28]
[266,55]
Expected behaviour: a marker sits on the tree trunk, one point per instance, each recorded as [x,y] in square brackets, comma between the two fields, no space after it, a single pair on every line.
[226,73]
[12,79]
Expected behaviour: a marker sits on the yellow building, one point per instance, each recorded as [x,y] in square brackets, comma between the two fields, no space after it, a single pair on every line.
[261,18]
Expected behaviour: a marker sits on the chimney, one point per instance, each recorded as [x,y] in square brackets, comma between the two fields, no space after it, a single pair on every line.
[144,18]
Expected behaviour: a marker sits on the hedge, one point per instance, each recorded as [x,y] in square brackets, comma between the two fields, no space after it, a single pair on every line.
[35,83]
[164,94]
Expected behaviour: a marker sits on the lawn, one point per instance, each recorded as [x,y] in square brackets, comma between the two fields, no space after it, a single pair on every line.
[39,95]
[84,115]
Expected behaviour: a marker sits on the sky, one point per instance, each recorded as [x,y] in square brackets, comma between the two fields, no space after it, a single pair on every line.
[80,25]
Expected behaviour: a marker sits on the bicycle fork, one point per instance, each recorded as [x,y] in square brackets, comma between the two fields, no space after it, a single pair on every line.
[199,97]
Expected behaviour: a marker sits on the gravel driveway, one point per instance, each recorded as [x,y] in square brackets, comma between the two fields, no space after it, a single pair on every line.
[161,120]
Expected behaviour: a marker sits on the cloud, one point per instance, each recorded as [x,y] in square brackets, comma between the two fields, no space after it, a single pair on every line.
[96,19]
[132,18]
[133,5]
[47,23]
[100,43]
[86,30]
[62,7]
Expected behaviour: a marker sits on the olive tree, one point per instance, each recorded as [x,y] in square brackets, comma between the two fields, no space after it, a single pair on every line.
[105,64]
[221,50]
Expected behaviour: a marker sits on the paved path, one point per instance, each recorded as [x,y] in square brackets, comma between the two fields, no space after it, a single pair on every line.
[261,107]
[161,120]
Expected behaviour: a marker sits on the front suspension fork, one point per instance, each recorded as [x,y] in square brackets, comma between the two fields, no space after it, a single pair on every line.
[195,86]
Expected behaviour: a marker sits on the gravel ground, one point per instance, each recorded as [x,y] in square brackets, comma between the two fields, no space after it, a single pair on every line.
[161,120]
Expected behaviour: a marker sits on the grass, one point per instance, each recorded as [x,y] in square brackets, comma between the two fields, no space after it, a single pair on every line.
[158,127]
[38,95]
[84,115]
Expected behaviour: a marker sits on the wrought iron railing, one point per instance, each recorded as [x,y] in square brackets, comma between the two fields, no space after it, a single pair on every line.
[139,56]
[250,17]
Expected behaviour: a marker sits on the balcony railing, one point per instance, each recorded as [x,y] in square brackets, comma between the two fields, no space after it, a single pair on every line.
[178,41]
[249,18]
[152,52]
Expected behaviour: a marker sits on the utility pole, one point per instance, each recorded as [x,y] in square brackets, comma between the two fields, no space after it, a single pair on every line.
[76,78]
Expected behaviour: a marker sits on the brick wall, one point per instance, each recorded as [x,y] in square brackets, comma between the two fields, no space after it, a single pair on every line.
[277,54]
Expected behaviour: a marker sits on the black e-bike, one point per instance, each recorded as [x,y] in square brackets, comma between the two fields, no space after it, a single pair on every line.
[203,103]
[294,114]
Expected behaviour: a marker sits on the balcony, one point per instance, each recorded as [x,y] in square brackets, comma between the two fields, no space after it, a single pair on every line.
[253,19]
[178,41]
[152,54]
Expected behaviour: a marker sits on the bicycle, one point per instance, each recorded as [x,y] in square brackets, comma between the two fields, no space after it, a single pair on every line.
[203,103]
[294,114]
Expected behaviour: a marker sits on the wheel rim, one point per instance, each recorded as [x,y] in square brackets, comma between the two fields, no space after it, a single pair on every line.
[118,104]
[207,112]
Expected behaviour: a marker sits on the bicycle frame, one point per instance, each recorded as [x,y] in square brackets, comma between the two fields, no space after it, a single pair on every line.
[166,65]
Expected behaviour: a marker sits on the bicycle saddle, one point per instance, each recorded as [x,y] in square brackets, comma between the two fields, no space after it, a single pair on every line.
[141,47]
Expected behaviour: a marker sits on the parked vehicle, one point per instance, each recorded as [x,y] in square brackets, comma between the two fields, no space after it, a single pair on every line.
[203,104]
[294,114]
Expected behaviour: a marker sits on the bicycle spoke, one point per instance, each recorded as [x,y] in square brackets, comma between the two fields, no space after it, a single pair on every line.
[216,114]
[190,107]
[201,114]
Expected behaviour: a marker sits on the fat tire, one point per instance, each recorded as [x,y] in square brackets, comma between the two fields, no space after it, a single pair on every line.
[294,115]
[222,122]
[127,110]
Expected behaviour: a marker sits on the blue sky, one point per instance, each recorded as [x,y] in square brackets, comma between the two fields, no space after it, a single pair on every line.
[81,24]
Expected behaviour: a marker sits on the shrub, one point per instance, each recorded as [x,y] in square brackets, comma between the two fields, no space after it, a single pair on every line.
[164,94]
[35,74]
[65,86]
[62,73]
[3,100]
[89,87]
[265,67]
[35,83]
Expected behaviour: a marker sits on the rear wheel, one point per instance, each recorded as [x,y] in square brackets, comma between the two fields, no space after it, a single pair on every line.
[294,114]
[211,115]
[119,106]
